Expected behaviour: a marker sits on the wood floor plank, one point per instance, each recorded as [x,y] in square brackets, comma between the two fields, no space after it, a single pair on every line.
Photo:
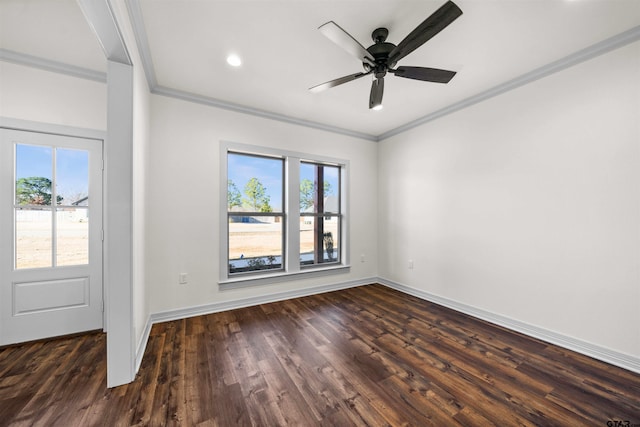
[296,350]
[251,380]
[421,411]
[312,392]
[365,356]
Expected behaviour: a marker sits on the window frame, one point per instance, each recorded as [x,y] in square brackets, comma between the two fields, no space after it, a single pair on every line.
[55,206]
[324,215]
[291,266]
[280,214]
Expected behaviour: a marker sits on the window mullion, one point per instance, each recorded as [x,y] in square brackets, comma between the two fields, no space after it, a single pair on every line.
[318,224]
[292,212]
[54,210]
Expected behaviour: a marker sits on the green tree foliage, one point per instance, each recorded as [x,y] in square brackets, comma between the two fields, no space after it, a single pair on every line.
[307,192]
[327,189]
[265,206]
[233,195]
[34,190]
[257,199]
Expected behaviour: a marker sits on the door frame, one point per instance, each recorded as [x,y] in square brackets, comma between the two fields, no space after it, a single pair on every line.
[74,132]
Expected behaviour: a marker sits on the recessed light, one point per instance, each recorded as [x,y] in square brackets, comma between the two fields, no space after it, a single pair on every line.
[234,60]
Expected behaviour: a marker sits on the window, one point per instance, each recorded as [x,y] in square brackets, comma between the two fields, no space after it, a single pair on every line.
[284,215]
[319,213]
[51,206]
[255,195]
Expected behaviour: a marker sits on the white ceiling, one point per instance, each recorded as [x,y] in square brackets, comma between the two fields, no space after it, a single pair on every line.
[494,41]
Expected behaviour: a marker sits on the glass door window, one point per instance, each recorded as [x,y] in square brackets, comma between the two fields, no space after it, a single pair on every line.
[51,207]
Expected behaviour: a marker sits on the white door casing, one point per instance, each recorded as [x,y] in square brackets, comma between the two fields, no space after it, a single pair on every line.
[50,252]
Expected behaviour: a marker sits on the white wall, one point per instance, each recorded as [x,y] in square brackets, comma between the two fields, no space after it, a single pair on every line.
[42,96]
[183,196]
[527,205]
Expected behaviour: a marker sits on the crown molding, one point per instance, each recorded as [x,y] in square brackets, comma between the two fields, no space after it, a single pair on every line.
[590,52]
[213,102]
[137,23]
[50,65]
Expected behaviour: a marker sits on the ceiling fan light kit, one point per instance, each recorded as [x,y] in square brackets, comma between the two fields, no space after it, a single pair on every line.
[381,57]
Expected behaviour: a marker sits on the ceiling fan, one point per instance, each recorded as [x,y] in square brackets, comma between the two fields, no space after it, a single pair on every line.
[382,56]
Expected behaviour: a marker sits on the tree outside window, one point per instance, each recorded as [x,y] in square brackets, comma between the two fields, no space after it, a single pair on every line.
[319,213]
[267,232]
[34,190]
[255,216]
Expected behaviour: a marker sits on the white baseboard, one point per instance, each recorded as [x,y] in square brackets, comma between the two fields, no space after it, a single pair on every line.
[613,357]
[142,345]
[183,313]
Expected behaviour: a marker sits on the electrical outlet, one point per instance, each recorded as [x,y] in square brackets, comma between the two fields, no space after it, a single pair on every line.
[182,278]
[410,264]
[362,258]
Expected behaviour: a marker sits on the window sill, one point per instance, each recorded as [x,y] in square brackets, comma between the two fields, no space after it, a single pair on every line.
[266,279]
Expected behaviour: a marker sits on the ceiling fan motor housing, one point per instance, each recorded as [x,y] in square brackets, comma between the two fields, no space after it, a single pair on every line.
[380,51]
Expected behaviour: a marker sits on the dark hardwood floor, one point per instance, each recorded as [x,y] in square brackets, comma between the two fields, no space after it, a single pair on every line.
[363,356]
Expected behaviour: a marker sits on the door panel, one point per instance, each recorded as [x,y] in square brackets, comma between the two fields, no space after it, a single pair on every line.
[50,235]
[38,297]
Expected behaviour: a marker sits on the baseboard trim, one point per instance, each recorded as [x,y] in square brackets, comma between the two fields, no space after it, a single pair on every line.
[183,313]
[613,357]
[142,345]
[248,302]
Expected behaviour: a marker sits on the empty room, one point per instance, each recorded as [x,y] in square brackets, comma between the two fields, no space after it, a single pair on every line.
[337,213]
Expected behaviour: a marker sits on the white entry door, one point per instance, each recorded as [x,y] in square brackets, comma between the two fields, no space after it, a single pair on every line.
[50,235]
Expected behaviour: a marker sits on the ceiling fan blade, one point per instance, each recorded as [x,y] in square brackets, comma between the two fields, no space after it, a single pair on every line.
[336,34]
[336,82]
[431,26]
[377,89]
[425,74]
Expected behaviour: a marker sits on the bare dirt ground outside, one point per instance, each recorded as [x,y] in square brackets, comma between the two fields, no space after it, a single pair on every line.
[250,240]
[34,243]
[246,240]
